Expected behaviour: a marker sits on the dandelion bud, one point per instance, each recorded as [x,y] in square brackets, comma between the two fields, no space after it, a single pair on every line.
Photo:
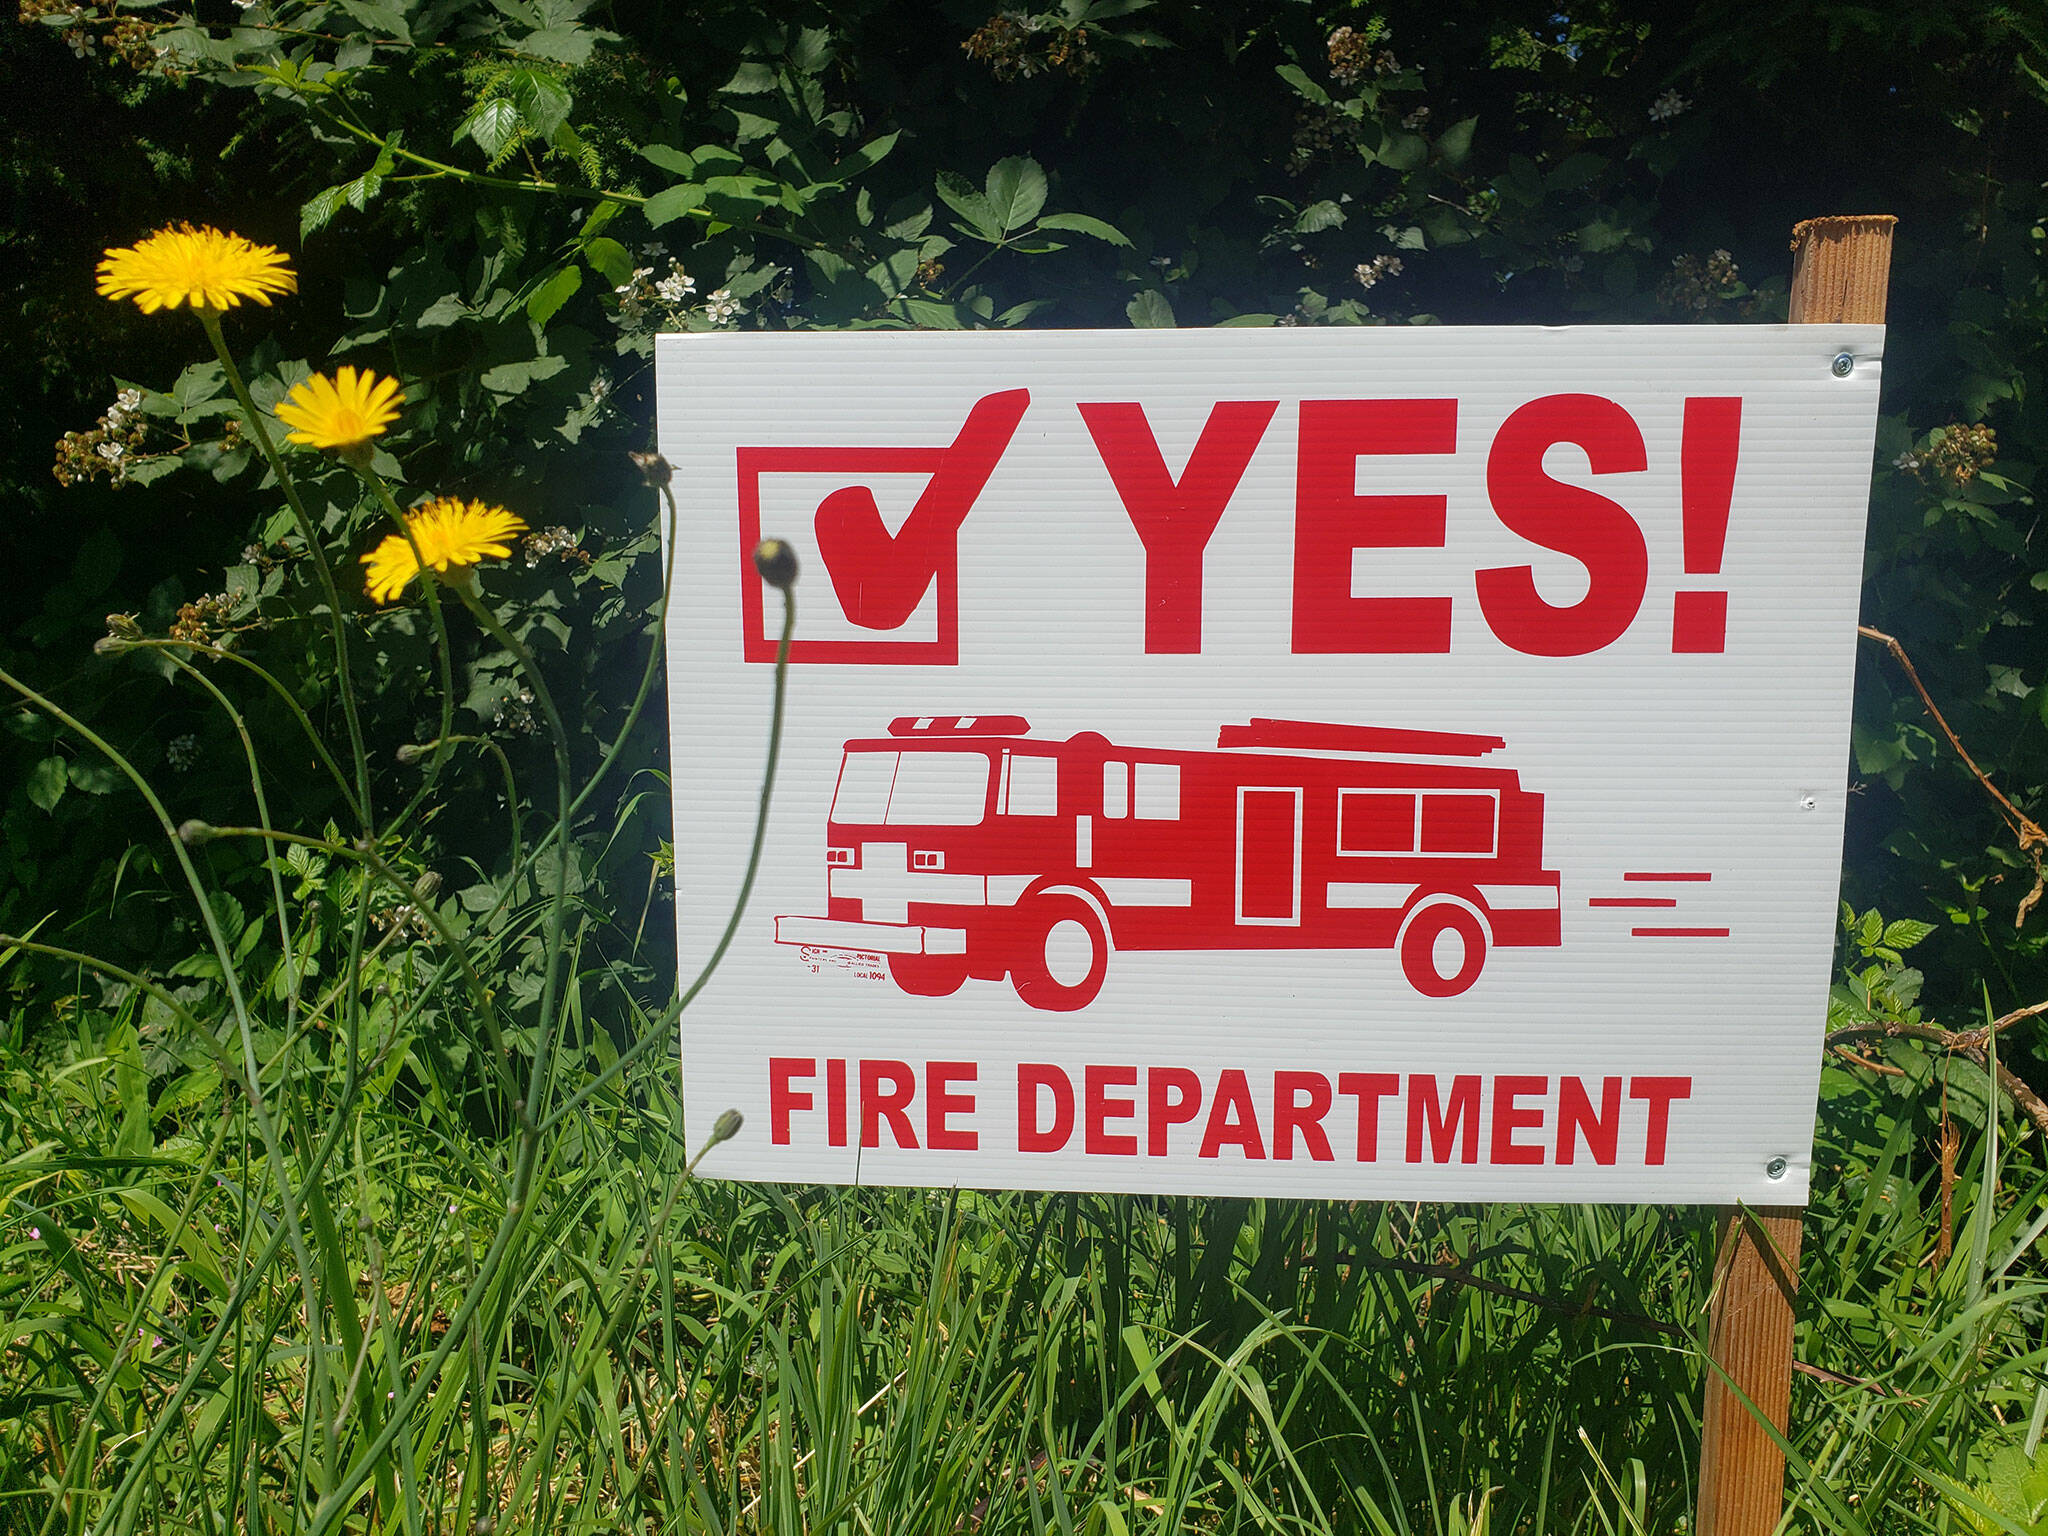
[776,562]
[427,885]
[110,645]
[195,833]
[412,752]
[654,469]
[726,1126]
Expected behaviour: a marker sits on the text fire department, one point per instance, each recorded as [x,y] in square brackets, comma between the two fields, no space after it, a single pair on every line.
[1286,1115]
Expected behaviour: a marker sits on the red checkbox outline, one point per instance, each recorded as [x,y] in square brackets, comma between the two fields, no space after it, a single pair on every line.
[944,651]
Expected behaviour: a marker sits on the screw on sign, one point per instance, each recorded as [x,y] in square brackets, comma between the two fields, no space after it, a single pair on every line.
[962,846]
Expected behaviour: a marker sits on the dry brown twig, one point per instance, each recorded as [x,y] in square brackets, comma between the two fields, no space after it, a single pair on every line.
[2032,840]
[1971,1044]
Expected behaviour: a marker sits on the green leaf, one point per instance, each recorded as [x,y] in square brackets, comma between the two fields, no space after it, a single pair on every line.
[672,203]
[869,154]
[1084,224]
[542,100]
[551,295]
[669,158]
[1905,932]
[490,125]
[1402,151]
[511,378]
[1454,144]
[1015,191]
[1150,310]
[959,194]
[752,78]
[609,259]
[46,783]
[93,775]
[1297,77]
[1317,217]
[566,45]
[383,20]
[317,210]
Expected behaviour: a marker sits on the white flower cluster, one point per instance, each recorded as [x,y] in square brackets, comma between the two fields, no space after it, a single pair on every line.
[675,289]
[1667,106]
[1371,272]
[666,299]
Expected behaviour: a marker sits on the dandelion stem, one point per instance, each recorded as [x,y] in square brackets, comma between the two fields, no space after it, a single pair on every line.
[310,532]
[375,482]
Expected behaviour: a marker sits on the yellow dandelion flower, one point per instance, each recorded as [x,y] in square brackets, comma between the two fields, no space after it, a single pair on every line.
[450,532]
[342,412]
[204,268]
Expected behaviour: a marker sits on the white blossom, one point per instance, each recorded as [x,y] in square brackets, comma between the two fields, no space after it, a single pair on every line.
[1667,106]
[1370,272]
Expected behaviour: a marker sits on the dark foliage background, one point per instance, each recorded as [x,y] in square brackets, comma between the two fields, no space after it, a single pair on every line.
[1520,165]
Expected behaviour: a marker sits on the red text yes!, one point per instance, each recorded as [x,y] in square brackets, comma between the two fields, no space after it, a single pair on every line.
[1175,518]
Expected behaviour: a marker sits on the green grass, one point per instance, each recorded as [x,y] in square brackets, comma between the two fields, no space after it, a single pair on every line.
[658,1354]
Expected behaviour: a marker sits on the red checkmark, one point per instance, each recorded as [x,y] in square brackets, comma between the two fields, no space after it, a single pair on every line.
[880,578]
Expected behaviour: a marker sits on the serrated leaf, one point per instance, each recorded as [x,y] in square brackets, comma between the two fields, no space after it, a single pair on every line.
[752,78]
[569,45]
[490,125]
[46,783]
[1905,932]
[542,100]
[384,20]
[1317,217]
[317,210]
[1085,224]
[1150,310]
[359,194]
[669,158]
[551,295]
[1015,191]
[960,195]
[672,203]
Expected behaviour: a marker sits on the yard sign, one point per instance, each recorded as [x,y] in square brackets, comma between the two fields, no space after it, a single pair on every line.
[1384,763]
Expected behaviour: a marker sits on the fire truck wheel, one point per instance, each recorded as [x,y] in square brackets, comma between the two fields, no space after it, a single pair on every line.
[928,975]
[1063,956]
[1443,947]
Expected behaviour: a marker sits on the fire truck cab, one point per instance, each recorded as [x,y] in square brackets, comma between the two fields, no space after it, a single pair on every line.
[961,846]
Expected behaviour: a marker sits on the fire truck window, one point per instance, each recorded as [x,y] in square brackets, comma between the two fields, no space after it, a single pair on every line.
[1368,823]
[1034,785]
[1457,823]
[1158,796]
[1116,790]
[864,780]
[940,789]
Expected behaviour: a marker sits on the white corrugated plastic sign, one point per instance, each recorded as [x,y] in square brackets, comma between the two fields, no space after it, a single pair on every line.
[1379,763]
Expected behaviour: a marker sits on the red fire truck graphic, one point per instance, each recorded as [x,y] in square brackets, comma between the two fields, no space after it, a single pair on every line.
[961,846]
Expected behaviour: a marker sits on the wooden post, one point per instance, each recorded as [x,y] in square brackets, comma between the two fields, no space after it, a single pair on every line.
[1840,268]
